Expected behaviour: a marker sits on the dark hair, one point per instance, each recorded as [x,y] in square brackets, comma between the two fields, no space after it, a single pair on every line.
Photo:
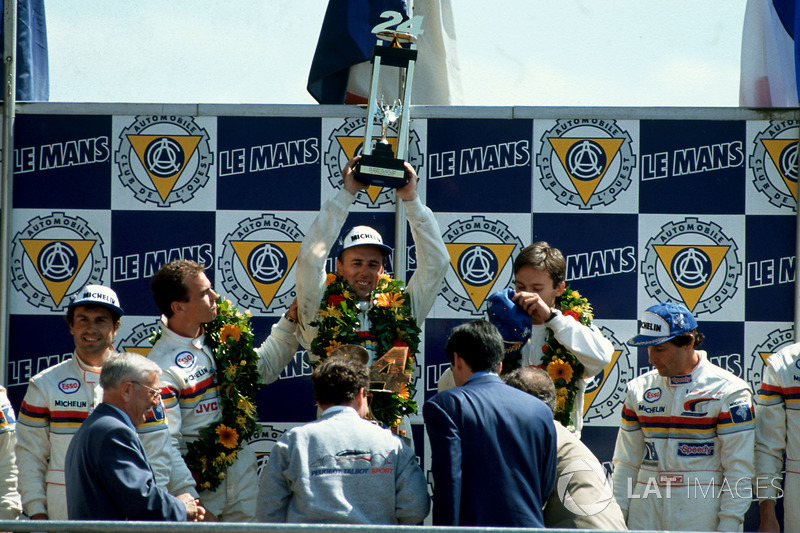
[168,284]
[338,380]
[478,343]
[684,338]
[535,382]
[541,256]
[70,317]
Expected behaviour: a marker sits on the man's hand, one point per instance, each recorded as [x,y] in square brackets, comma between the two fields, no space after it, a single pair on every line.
[409,191]
[194,511]
[532,304]
[769,520]
[351,184]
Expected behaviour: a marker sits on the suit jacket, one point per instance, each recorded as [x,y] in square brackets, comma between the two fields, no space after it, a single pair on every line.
[592,504]
[108,476]
[493,455]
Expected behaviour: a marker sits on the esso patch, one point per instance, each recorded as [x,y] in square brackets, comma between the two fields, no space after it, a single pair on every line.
[69,386]
[184,359]
[651,395]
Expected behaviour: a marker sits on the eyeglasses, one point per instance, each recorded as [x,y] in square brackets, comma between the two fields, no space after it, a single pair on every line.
[154,393]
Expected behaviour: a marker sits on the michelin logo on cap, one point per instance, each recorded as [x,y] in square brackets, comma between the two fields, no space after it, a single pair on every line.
[364,235]
[98,295]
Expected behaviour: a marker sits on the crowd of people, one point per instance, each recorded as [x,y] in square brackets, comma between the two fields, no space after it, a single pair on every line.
[104,435]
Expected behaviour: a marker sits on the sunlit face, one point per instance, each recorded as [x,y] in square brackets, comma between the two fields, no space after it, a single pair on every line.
[92,330]
[361,267]
[671,360]
[145,396]
[529,279]
[201,307]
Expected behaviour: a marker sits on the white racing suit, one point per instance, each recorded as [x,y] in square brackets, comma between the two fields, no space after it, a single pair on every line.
[778,432]
[190,391]
[684,453]
[587,343]
[56,403]
[10,504]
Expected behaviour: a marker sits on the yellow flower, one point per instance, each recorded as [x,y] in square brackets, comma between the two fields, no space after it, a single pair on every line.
[331,346]
[347,295]
[575,294]
[561,398]
[228,437]
[559,369]
[231,372]
[330,311]
[241,420]
[330,278]
[230,330]
[246,406]
[389,299]
[205,485]
[248,313]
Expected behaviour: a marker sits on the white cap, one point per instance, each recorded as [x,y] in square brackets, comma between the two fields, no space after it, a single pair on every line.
[364,235]
[98,295]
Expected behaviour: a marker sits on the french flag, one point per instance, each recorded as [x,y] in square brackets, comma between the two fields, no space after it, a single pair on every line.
[341,71]
[770,54]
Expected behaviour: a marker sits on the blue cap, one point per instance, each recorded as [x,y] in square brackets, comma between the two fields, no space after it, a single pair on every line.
[663,322]
[513,323]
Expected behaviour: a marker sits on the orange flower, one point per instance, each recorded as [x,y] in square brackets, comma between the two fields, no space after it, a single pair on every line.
[389,299]
[228,437]
[561,398]
[330,278]
[404,392]
[559,369]
[230,330]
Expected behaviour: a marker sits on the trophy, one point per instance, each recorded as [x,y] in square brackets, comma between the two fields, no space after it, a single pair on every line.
[379,165]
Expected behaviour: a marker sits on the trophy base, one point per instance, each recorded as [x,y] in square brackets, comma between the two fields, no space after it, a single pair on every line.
[381,171]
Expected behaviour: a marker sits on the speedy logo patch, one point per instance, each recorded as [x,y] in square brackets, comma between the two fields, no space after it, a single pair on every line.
[184,359]
[69,386]
[695,449]
[680,380]
[651,395]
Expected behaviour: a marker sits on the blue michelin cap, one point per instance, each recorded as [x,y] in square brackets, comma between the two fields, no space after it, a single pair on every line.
[513,323]
[663,322]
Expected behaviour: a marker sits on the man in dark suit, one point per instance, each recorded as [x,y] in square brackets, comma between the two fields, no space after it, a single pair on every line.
[107,473]
[493,447]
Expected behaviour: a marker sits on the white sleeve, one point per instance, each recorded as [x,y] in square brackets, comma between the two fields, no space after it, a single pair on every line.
[165,459]
[588,344]
[276,351]
[10,503]
[432,259]
[314,250]
[33,449]
[628,453]
[736,433]
[770,434]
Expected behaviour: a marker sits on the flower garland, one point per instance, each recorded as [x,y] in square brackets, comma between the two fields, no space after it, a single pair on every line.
[560,363]
[391,324]
[230,338]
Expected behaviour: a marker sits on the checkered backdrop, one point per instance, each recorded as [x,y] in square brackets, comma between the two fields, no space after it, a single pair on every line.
[693,206]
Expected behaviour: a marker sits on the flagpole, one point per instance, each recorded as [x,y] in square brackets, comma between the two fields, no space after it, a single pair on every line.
[797,245]
[9,108]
